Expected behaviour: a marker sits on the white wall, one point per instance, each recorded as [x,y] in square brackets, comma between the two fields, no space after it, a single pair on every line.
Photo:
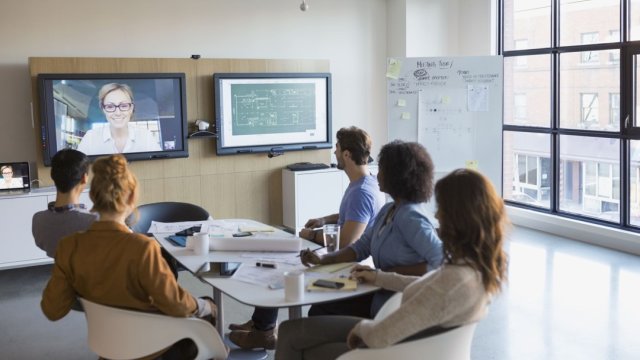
[477,28]
[449,28]
[351,34]
[396,28]
[432,28]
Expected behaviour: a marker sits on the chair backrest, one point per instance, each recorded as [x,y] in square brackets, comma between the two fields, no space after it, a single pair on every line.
[389,306]
[454,344]
[167,212]
[126,334]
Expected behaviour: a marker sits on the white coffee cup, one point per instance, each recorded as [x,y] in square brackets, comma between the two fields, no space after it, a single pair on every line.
[200,243]
[293,286]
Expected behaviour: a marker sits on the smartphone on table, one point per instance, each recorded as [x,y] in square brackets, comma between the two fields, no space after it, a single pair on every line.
[328,284]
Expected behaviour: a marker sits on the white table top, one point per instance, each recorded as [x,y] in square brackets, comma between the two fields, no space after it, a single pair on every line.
[253,294]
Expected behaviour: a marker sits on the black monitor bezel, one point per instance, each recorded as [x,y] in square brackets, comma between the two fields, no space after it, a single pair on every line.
[271,148]
[47,116]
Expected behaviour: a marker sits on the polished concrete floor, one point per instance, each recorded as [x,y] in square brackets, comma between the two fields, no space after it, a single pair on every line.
[565,300]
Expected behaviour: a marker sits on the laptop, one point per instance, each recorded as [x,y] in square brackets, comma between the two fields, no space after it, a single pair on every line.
[15,177]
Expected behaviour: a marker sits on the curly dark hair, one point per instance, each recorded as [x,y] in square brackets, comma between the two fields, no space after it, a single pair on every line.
[407,171]
[472,225]
[357,141]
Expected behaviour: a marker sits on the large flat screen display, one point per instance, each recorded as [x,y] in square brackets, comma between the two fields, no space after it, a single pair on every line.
[272,112]
[142,116]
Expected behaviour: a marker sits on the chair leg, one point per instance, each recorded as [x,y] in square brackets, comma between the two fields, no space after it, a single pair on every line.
[217,297]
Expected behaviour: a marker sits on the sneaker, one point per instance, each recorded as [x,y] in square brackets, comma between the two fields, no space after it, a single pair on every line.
[248,326]
[254,339]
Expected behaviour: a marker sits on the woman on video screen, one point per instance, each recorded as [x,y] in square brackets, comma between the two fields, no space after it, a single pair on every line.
[118,135]
[8,181]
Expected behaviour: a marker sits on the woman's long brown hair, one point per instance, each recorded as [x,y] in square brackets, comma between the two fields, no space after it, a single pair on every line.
[472,225]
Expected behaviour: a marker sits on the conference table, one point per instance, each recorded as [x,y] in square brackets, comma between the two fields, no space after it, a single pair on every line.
[256,294]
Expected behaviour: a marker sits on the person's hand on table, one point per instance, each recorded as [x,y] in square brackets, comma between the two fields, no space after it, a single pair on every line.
[363,274]
[307,233]
[309,258]
[314,223]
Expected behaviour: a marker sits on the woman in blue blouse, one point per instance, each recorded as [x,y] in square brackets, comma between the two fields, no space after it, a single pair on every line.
[401,239]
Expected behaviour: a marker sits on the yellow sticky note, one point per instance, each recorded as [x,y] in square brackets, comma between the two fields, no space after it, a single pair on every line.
[405,115]
[471,164]
[402,102]
[393,68]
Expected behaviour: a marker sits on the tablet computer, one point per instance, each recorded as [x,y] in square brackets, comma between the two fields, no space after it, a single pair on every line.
[15,177]
[218,269]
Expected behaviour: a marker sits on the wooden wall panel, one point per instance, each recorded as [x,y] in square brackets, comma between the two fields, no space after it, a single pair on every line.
[233,186]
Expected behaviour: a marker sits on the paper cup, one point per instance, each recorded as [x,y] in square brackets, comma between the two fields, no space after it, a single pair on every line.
[200,243]
[293,286]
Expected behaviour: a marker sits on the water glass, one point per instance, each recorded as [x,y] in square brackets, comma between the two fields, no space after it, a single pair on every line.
[331,237]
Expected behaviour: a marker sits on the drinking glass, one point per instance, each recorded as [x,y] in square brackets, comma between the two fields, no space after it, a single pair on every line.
[331,237]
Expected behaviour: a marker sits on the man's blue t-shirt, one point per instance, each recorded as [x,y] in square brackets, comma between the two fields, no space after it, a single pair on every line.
[361,201]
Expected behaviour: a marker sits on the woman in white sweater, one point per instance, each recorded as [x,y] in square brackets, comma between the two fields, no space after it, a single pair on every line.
[472,220]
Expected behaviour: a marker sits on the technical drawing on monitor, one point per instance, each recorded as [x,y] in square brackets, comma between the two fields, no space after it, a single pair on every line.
[273,108]
[264,112]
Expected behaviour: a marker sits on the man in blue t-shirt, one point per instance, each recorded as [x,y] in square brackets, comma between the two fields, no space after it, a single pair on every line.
[360,204]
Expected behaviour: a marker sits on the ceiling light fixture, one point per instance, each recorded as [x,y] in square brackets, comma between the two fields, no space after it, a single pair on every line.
[304,6]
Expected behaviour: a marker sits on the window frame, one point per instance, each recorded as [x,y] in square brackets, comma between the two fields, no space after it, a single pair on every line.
[629,122]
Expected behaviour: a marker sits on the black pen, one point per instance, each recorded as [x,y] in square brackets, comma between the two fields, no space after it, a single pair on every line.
[314,250]
[266,264]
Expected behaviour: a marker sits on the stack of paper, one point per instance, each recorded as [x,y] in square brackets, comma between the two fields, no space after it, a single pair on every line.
[255,243]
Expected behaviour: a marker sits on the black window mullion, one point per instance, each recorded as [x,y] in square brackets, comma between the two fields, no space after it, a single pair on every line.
[555,125]
[555,24]
[625,182]
[625,28]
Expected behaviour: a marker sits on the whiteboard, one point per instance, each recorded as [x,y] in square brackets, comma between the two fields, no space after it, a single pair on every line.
[452,106]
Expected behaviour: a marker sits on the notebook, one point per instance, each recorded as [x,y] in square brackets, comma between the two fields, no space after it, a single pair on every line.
[15,177]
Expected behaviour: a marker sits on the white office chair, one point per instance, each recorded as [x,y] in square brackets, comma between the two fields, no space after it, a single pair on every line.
[454,344]
[126,334]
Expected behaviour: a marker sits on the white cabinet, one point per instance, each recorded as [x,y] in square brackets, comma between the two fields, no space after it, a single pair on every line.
[18,246]
[311,194]
[17,243]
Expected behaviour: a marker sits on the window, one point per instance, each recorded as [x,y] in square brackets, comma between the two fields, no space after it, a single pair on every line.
[527,182]
[567,153]
[589,57]
[589,109]
[614,110]
[520,107]
[521,44]
[614,55]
